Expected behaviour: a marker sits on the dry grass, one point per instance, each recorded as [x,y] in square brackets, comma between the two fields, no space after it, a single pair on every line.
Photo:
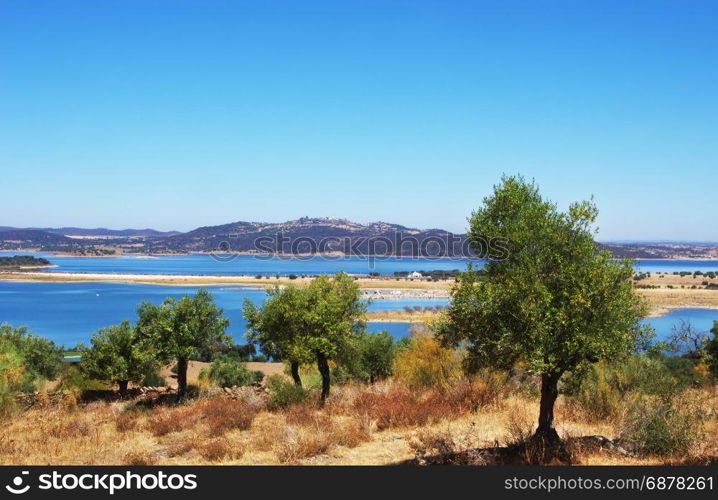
[381,424]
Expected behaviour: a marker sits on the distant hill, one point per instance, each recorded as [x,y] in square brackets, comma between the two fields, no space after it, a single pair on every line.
[300,236]
[309,235]
[99,231]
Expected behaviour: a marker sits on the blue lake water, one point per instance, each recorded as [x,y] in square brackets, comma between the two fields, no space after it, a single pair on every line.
[68,313]
[700,319]
[247,264]
[256,265]
[671,266]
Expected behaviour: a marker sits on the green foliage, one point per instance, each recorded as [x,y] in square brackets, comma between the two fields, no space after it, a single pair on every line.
[229,370]
[663,426]
[712,350]
[41,357]
[278,326]
[153,379]
[74,379]
[18,261]
[284,393]
[321,321]
[374,356]
[554,302]
[182,329]
[117,354]
[12,376]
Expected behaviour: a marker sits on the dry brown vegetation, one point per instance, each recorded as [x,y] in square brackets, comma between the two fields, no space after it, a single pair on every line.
[383,423]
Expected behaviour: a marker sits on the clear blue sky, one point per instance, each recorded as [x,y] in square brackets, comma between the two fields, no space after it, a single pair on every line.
[174,114]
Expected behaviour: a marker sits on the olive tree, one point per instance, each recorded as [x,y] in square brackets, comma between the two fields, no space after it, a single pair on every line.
[555,302]
[116,354]
[277,328]
[181,329]
[333,320]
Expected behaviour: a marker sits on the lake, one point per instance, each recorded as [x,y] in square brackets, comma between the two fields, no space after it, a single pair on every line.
[264,265]
[68,313]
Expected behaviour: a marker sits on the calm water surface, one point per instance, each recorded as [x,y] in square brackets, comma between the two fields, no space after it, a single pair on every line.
[68,313]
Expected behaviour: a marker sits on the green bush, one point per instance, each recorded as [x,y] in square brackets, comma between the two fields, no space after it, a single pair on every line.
[41,357]
[660,426]
[153,379]
[72,378]
[228,371]
[12,377]
[284,393]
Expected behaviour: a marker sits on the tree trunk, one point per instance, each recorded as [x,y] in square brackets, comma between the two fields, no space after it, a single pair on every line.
[295,373]
[181,377]
[372,378]
[549,393]
[323,365]
[123,386]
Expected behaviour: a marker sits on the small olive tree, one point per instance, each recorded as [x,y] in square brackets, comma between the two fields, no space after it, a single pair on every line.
[116,353]
[555,302]
[334,318]
[181,329]
[277,328]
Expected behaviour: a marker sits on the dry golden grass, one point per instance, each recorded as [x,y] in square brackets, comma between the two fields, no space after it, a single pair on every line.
[381,424]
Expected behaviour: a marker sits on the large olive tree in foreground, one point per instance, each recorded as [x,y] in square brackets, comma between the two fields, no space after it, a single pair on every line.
[181,329]
[555,302]
[277,327]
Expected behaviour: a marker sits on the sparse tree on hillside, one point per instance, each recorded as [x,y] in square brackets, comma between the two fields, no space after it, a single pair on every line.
[556,301]
[278,327]
[181,329]
[116,354]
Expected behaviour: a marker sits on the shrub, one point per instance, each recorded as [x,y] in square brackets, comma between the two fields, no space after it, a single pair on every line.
[136,458]
[426,363]
[602,389]
[74,379]
[12,375]
[172,420]
[399,407]
[41,357]
[217,449]
[228,371]
[283,393]
[659,427]
[222,415]
[126,421]
[153,379]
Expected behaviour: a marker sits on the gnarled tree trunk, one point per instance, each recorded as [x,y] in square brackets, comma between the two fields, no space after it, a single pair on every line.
[549,392]
[323,365]
[181,377]
[295,373]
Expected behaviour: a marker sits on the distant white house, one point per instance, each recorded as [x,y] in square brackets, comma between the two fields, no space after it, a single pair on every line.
[415,274]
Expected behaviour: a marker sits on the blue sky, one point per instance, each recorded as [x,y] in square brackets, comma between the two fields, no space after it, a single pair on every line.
[175,114]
